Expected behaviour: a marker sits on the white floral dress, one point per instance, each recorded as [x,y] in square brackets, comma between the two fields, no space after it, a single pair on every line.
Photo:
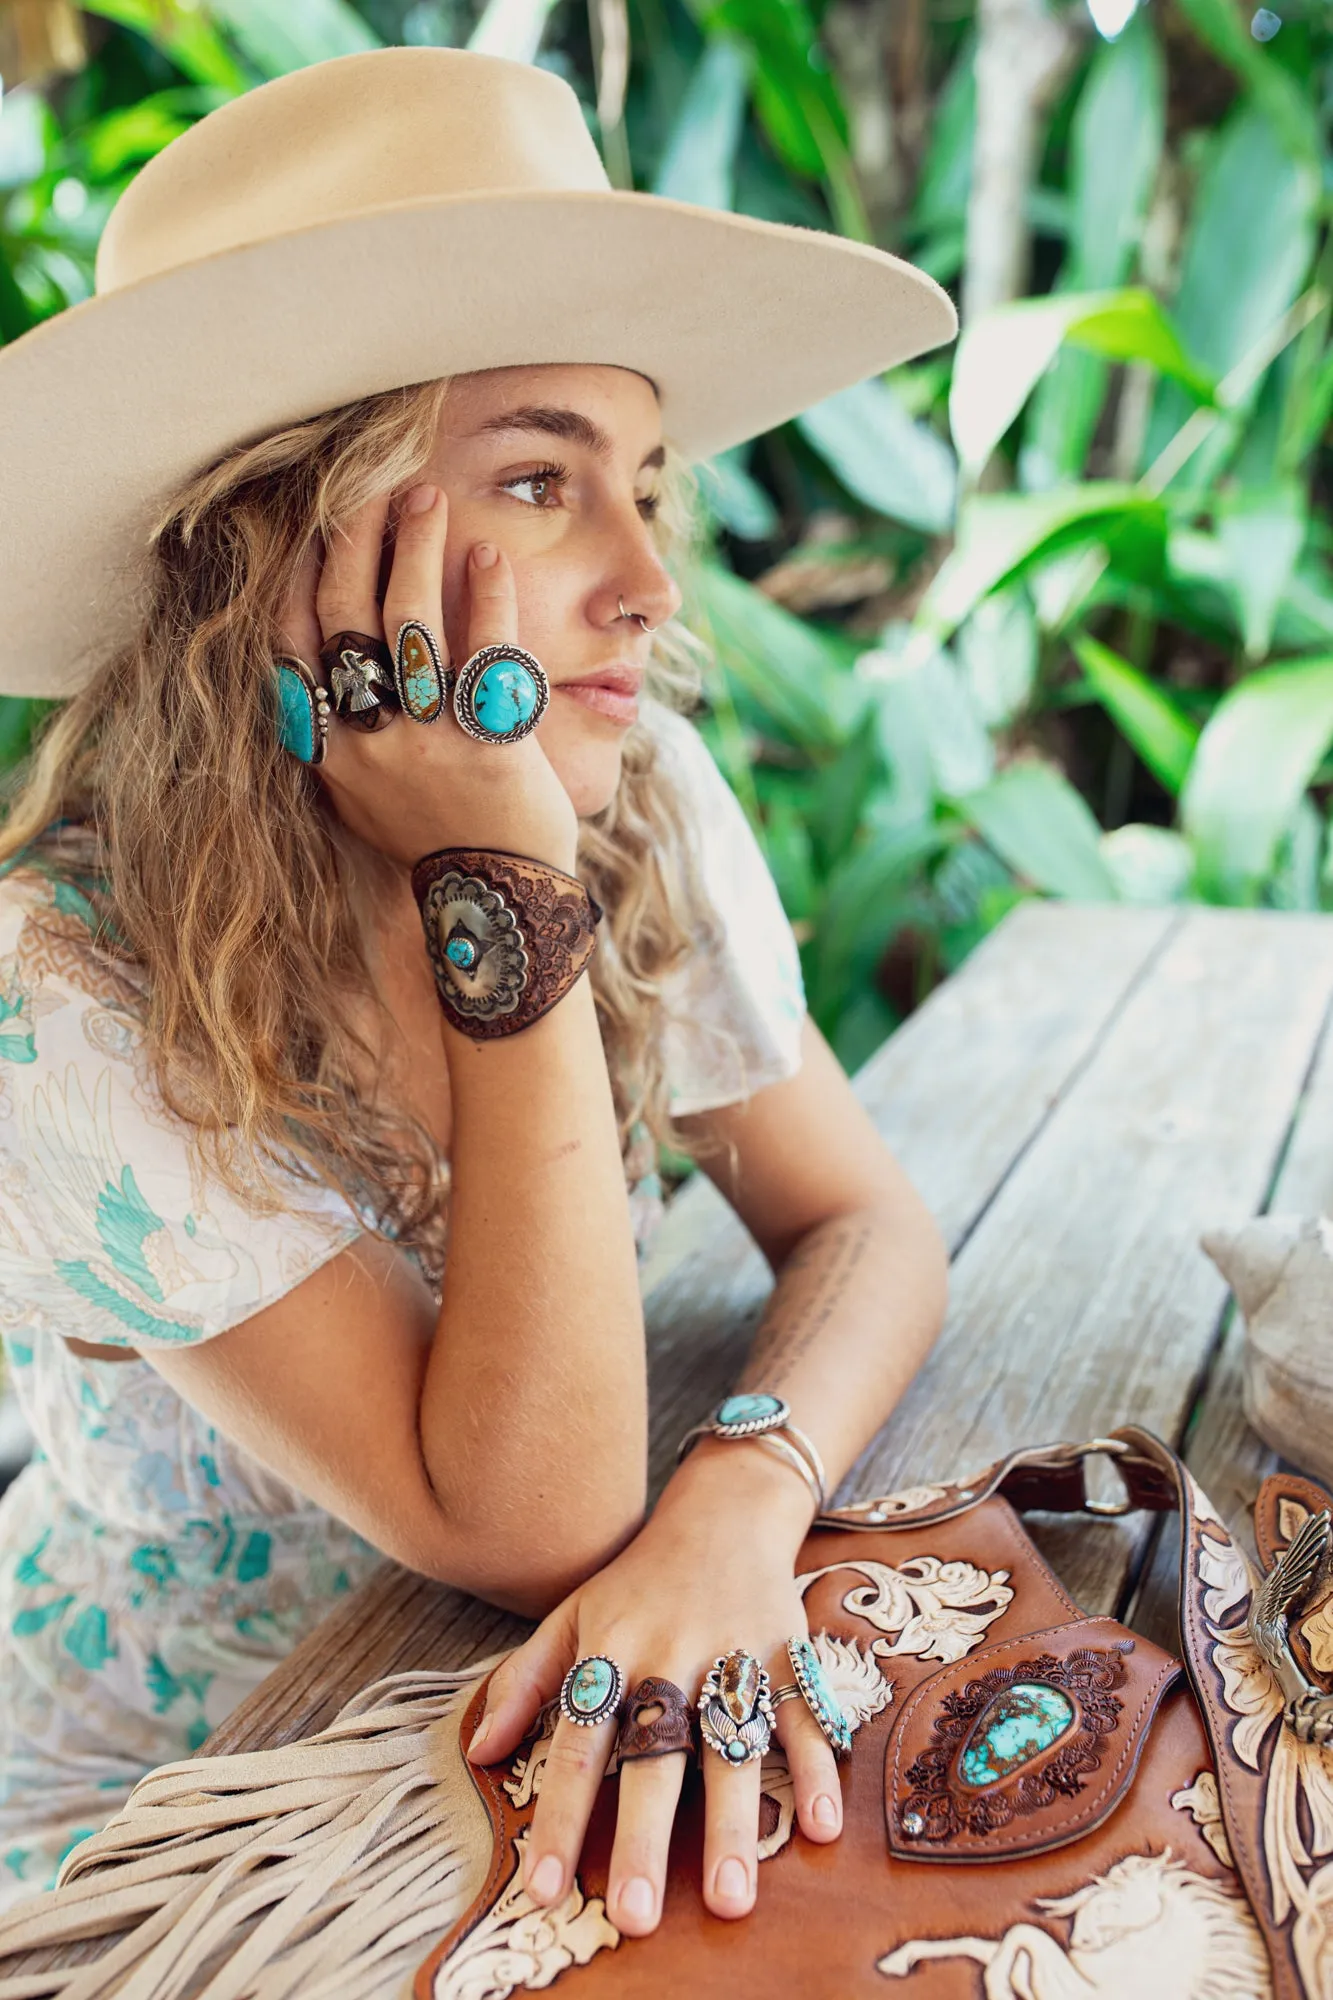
[151,1571]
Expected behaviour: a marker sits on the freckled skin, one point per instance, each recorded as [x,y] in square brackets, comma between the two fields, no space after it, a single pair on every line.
[570,560]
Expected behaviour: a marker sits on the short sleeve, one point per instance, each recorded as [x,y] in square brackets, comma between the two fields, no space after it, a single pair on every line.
[735,1010]
[111,1230]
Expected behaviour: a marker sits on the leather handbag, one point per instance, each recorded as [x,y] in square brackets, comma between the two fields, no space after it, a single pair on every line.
[1037,1805]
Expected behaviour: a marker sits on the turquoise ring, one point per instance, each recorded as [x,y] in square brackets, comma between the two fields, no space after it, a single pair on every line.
[592,1691]
[823,1704]
[501,694]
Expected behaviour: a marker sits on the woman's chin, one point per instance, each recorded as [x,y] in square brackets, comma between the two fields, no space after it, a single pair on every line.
[589,772]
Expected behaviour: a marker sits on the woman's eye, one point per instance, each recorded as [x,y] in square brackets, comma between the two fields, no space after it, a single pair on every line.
[533,479]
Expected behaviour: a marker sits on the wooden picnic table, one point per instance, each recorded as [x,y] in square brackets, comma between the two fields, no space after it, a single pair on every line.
[1095,1087]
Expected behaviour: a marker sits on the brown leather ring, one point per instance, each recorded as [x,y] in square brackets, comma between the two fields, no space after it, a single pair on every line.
[365,703]
[672,1730]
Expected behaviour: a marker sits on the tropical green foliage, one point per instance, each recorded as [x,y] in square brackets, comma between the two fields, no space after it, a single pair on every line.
[1051,614]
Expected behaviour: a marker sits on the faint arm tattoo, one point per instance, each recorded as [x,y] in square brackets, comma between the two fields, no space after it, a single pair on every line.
[811,1285]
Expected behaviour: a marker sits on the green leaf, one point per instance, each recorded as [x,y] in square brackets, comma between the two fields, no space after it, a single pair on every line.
[946,172]
[511,28]
[124,138]
[278,40]
[1143,712]
[182,33]
[1222,25]
[732,497]
[1246,256]
[1115,146]
[903,469]
[1262,535]
[795,97]
[1037,823]
[791,675]
[1003,354]
[698,162]
[1255,758]
[931,730]
[1149,864]
[863,904]
[1002,536]
[998,652]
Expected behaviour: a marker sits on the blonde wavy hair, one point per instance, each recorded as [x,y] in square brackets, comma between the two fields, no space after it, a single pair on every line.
[222,873]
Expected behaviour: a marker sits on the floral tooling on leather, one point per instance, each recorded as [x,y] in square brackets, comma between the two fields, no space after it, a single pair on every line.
[1298,1798]
[1149,1926]
[947,1798]
[520,1943]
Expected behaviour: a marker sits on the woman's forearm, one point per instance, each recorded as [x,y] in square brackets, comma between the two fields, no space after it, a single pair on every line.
[534,1404]
[853,1313]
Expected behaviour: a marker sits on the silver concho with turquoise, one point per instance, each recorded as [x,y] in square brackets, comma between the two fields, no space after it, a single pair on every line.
[820,1699]
[592,1691]
[501,694]
[735,1713]
[475,946]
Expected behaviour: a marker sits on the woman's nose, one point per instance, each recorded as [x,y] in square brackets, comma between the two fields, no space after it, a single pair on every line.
[647,589]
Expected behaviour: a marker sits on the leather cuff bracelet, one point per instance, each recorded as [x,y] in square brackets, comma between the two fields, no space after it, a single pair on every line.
[507,936]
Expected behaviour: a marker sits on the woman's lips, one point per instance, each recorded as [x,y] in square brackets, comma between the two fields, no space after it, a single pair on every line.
[605,701]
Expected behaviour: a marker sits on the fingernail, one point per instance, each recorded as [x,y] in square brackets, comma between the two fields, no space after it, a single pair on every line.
[483,555]
[421,499]
[483,1730]
[825,1810]
[547,1878]
[638,1899]
[731,1879]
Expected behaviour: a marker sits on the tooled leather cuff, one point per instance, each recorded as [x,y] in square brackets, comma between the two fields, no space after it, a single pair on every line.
[507,936]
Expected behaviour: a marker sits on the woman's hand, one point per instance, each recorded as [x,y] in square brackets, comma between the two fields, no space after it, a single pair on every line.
[411,788]
[713,1569]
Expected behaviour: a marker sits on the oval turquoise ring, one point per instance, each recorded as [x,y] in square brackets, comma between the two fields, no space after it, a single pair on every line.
[501,694]
[592,1691]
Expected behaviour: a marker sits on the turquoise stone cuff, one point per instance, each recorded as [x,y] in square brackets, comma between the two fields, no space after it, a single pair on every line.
[507,936]
[766,1418]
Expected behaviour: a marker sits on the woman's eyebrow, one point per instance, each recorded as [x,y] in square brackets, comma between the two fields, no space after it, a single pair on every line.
[571,425]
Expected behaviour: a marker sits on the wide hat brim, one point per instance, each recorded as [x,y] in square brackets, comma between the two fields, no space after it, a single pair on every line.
[110,406]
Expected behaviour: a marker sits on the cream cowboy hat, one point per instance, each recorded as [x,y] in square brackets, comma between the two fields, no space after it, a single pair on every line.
[370,221]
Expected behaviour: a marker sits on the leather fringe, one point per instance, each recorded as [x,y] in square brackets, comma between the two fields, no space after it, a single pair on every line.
[316,1869]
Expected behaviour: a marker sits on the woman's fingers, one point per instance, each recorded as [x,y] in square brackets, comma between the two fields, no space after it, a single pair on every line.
[814,1772]
[493,605]
[347,599]
[645,1814]
[575,1765]
[521,1685]
[416,580]
[731,1835]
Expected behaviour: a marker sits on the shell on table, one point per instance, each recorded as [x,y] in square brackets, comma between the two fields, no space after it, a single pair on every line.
[1280,1268]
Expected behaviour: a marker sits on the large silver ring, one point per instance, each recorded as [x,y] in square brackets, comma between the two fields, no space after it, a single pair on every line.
[501,694]
[735,1709]
[592,1691]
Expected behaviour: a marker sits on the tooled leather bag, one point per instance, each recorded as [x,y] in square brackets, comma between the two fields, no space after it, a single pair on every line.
[1037,1805]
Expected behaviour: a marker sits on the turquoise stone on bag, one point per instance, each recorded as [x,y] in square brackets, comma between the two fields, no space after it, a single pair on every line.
[505,697]
[1017,1726]
[591,1687]
[296,715]
[747,1409]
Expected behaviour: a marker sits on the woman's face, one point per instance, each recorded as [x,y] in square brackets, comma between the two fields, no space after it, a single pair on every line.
[558,466]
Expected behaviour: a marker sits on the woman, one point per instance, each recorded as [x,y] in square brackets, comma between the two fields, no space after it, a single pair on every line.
[244,1104]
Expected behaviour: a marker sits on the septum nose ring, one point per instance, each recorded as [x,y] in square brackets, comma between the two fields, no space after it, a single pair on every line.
[635,614]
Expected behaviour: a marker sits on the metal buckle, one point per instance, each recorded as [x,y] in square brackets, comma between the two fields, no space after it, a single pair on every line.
[1306,1561]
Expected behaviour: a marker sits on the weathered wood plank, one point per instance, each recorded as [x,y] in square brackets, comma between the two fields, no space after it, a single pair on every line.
[1081,1298]
[1229,1460]
[958,1093]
